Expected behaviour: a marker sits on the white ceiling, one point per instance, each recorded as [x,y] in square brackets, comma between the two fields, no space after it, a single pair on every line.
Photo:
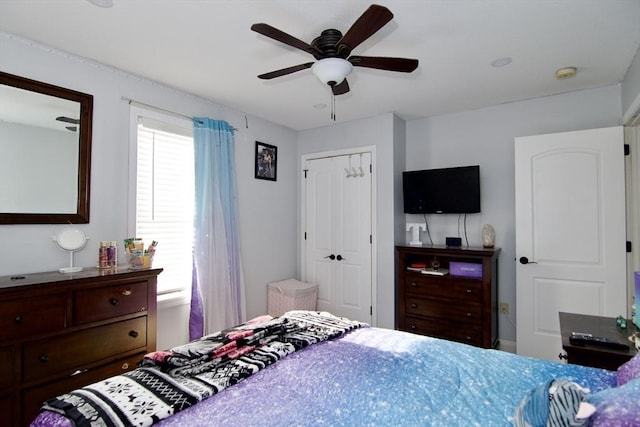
[206,47]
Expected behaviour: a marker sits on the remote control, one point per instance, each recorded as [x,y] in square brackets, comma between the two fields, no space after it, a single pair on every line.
[580,338]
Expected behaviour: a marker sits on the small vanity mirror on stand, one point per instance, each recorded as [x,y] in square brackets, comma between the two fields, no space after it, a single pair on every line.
[70,240]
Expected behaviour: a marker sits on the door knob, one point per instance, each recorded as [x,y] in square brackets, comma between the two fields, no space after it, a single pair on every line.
[331,257]
[525,260]
[339,258]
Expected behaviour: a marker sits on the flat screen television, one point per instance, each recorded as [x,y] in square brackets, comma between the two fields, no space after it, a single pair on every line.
[442,191]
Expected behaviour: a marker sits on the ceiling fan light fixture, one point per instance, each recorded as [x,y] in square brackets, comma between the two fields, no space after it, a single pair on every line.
[332,71]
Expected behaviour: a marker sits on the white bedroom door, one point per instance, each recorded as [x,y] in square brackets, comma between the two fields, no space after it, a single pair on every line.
[337,232]
[570,233]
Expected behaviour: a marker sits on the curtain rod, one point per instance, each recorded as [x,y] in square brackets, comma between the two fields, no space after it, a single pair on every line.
[142,104]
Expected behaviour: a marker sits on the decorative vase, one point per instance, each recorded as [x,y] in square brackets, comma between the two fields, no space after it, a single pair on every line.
[488,236]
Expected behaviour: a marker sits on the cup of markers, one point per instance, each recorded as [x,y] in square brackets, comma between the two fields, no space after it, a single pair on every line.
[138,256]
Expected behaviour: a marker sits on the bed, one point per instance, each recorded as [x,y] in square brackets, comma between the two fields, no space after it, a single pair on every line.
[314,369]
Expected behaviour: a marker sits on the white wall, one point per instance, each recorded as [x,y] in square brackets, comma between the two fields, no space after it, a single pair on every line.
[486,137]
[631,89]
[268,213]
[267,209]
[379,132]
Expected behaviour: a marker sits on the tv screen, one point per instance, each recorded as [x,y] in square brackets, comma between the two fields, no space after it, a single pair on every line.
[441,191]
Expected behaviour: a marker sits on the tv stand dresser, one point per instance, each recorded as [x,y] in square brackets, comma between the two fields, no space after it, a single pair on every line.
[459,305]
[61,331]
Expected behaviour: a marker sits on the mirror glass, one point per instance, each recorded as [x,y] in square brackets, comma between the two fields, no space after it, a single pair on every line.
[45,152]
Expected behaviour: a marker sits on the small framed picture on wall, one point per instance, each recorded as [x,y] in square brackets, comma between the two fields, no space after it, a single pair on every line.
[266,161]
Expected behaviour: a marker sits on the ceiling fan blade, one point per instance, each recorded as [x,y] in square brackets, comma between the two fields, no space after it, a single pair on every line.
[402,65]
[68,120]
[368,24]
[285,71]
[282,37]
[340,89]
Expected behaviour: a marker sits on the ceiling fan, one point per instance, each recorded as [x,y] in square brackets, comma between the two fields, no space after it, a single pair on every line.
[332,50]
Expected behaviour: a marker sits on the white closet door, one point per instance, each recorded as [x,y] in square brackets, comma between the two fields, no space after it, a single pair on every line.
[338,233]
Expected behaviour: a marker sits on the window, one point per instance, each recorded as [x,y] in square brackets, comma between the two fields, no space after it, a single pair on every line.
[164,194]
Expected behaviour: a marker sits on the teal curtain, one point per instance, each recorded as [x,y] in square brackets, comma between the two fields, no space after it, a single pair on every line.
[218,288]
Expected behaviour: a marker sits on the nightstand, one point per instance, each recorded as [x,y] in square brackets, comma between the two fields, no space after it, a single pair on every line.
[589,355]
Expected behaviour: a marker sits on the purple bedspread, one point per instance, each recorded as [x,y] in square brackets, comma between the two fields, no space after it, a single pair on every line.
[381,377]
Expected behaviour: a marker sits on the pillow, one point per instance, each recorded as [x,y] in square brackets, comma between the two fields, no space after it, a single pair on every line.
[617,406]
[629,370]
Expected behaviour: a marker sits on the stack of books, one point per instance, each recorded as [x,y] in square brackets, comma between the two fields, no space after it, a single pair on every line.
[421,267]
[417,266]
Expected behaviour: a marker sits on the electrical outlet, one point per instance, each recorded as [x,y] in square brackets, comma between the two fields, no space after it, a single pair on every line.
[504,308]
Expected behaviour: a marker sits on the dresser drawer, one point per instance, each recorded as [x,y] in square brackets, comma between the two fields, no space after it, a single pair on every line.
[90,305]
[6,409]
[6,367]
[444,287]
[446,329]
[34,397]
[65,354]
[26,317]
[466,313]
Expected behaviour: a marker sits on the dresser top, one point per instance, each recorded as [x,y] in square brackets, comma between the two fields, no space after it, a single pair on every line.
[464,250]
[18,280]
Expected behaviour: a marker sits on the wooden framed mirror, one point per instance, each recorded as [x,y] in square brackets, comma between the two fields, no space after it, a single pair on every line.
[45,152]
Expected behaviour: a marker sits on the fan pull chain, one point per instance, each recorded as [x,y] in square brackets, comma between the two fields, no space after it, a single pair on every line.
[333,107]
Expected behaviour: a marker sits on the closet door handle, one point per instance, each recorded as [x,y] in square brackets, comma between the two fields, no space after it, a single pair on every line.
[331,257]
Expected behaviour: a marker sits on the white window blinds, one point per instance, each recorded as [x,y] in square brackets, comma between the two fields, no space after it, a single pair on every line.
[165,199]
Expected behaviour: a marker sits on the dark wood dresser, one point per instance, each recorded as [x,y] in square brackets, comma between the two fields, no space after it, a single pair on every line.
[450,306]
[61,331]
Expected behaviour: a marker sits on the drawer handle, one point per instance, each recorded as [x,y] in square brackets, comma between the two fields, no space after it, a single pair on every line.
[78,372]
[125,366]
[126,292]
[414,327]
[414,284]
[44,358]
[133,334]
[414,305]
[468,338]
[469,291]
[19,319]
[115,301]
[469,315]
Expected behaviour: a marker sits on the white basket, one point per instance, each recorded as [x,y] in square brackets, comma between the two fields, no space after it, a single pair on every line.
[290,295]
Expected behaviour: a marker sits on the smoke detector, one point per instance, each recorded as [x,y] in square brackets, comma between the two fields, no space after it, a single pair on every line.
[566,73]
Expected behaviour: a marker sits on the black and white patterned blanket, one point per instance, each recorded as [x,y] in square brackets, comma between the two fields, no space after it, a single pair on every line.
[167,382]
